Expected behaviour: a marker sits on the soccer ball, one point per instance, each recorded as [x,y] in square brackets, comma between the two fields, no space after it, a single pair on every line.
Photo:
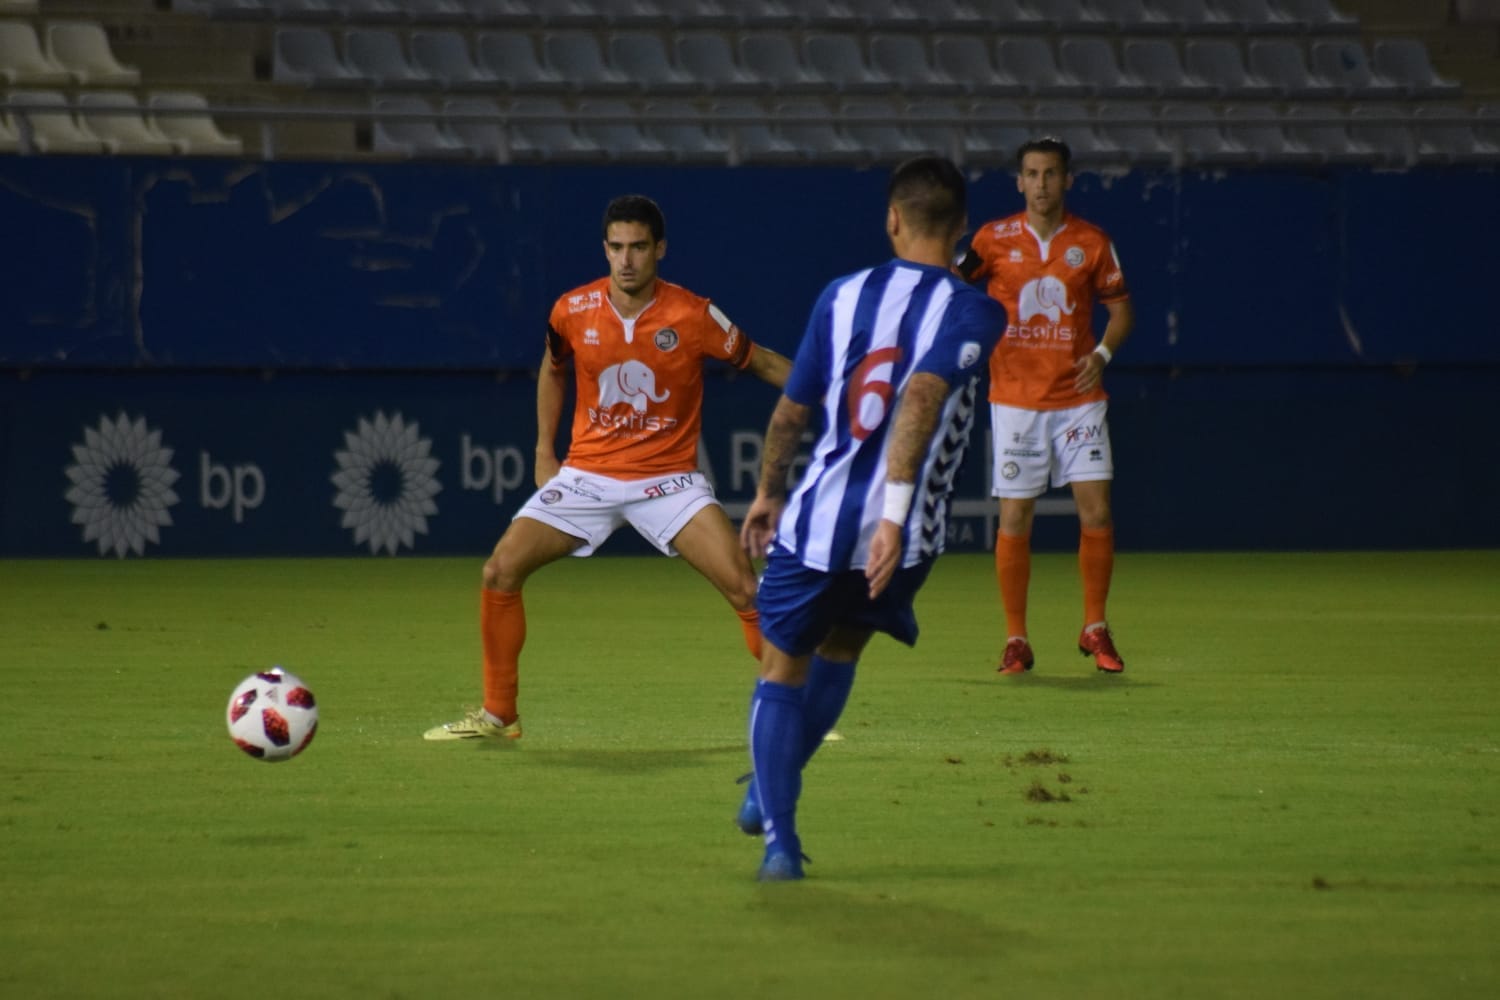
[272,715]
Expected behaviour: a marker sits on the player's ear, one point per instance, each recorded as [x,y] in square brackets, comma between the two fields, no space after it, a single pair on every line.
[661,248]
[892,221]
[1068,181]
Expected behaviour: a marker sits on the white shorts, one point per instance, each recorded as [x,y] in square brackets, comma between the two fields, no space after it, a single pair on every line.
[590,506]
[1031,446]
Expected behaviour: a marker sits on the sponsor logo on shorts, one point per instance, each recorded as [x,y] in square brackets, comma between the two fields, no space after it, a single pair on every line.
[1095,455]
[1074,256]
[666,487]
[550,497]
[1084,433]
[1010,470]
[666,339]
[1021,453]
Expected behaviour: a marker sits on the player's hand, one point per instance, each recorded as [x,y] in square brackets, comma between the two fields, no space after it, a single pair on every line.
[1087,373]
[885,554]
[760,525]
[547,465]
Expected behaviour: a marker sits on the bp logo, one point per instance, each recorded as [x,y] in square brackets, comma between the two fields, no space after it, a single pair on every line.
[121,488]
[386,483]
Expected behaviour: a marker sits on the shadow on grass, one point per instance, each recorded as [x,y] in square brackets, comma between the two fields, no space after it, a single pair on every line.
[1095,683]
[878,922]
[633,761]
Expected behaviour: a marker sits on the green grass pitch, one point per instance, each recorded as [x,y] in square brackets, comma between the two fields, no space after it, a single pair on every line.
[1294,790]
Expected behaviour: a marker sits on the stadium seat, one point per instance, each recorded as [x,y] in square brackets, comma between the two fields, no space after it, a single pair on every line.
[22,60]
[939,126]
[806,123]
[18,7]
[436,11]
[376,55]
[444,56]
[1074,124]
[1156,63]
[968,61]
[751,138]
[543,124]
[512,58]
[563,14]
[290,10]
[476,122]
[1131,16]
[1405,61]
[1220,63]
[773,58]
[1030,61]
[1323,128]
[308,56]
[1446,134]
[1257,128]
[838,15]
[83,49]
[837,58]
[1344,63]
[903,60]
[1130,129]
[1069,16]
[642,58]
[998,129]
[704,13]
[708,57]
[611,123]
[10,135]
[53,127]
[1384,129]
[875,126]
[680,128]
[1010,15]
[1319,16]
[115,117]
[577,58]
[1092,61]
[1197,141]
[1195,17]
[372,11]
[184,118]
[1260,17]
[630,13]
[413,137]
[1280,63]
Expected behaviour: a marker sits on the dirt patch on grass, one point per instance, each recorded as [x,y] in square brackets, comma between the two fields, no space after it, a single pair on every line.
[1039,792]
[1042,757]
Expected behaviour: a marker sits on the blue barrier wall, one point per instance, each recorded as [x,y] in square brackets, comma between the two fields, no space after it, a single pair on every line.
[196,355]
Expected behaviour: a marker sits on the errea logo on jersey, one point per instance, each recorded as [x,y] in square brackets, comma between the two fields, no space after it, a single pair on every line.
[583,302]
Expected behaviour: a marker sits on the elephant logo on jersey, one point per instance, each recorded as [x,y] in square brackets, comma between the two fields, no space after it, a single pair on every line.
[1045,297]
[629,382]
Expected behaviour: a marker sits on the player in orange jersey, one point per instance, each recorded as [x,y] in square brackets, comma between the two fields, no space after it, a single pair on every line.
[1048,405]
[636,345]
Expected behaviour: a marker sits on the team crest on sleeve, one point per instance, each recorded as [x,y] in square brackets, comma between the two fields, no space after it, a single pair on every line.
[1074,256]
[968,354]
[666,339]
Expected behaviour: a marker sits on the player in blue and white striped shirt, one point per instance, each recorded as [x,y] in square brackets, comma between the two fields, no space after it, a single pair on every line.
[890,363]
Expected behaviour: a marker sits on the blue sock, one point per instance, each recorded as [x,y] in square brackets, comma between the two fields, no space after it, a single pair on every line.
[823,699]
[776,741]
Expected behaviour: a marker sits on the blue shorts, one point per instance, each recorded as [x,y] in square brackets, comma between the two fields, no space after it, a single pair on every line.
[800,606]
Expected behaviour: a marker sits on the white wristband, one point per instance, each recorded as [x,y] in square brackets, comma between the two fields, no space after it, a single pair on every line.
[897,501]
[1105,353]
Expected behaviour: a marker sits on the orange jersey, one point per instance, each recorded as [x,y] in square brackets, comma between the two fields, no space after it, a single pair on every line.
[1048,290]
[640,381]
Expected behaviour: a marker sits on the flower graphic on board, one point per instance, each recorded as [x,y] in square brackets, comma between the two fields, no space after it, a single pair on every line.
[122,485]
[385,482]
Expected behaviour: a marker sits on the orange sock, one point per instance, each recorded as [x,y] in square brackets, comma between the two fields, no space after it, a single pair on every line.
[1096,563]
[1013,570]
[502,631]
[750,622]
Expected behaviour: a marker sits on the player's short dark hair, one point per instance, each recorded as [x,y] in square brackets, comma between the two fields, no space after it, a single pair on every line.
[635,208]
[1046,144]
[932,194]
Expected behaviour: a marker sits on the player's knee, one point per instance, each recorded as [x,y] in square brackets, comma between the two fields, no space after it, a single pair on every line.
[741,593]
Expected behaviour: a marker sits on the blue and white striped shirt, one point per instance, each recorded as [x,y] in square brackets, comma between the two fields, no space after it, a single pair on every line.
[868,334]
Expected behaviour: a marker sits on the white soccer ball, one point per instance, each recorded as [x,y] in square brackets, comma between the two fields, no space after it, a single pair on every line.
[272,715]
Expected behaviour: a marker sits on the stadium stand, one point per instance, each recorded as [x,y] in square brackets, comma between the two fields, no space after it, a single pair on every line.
[1143,81]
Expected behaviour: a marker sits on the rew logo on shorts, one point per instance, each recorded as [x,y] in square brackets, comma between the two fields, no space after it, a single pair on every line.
[386,482]
[121,488]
